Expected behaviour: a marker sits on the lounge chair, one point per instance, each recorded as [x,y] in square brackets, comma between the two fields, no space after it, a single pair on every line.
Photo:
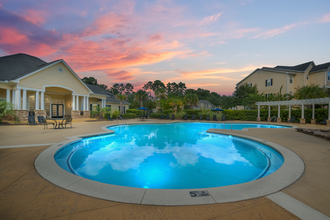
[200,117]
[173,117]
[31,120]
[67,121]
[185,117]
[161,117]
[167,116]
[208,117]
[215,118]
[324,122]
[193,117]
[108,116]
[42,120]
[223,118]
[292,120]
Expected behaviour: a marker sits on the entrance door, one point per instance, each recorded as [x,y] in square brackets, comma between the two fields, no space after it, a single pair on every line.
[57,110]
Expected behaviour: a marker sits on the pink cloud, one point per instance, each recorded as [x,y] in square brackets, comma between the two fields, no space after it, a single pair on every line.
[325,18]
[34,16]
[210,19]
[274,32]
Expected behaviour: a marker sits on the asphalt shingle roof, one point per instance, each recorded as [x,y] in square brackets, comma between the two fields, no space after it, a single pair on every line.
[17,65]
[110,97]
[300,67]
[323,66]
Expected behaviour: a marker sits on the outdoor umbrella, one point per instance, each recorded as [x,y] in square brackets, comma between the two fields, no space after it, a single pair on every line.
[143,108]
[217,109]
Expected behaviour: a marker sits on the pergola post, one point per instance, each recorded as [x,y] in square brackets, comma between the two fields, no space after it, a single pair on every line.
[279,113]
[258,118]
[268,113]
[328,121]
[313,120]
[302,120]
[289,113]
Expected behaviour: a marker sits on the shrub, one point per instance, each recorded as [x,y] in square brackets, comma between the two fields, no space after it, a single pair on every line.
[180,114]
[155,115]
[134,111]
[115,114]
[129,115]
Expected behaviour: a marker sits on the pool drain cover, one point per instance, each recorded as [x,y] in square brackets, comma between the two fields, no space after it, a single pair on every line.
[199,193]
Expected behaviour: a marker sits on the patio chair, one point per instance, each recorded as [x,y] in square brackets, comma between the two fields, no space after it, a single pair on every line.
[161,117]
[215,118]
[108,116]
[167,116]
[200,117]
[193,117]
[31,120]
[223,118]
[185,117]
[292,120]
[42,120]
[173,117]
[67,121]
[208,117]
[324,122]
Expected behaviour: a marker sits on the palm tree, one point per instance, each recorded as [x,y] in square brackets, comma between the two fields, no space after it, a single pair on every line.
[121,98]
[6,108]
[140,96]
[160,94]
[310,92]
[191,99]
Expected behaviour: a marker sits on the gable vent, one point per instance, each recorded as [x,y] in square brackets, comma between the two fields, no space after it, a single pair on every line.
[60,69]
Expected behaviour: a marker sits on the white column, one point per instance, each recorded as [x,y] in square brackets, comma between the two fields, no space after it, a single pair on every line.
[268,111]
[8,95]
[289,111]
[24,100]
[37,100]
[77,103]
[42,100]
[302,111]
[18,99]
[313,112]
[83,103]
[73,104]
[87,103]
[13,98]
[258,111]
[104,103]
[279,111]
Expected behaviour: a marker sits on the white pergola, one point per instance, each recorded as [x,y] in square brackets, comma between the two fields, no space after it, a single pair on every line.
[301,102]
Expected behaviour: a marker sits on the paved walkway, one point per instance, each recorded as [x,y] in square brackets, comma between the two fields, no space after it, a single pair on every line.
[26,195]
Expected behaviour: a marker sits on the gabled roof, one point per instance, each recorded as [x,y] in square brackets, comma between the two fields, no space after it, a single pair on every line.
[300,67]
[17,65]
[110,97]
[320,67]
[202,103]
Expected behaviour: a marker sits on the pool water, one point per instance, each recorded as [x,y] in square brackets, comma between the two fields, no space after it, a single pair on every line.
[170,156]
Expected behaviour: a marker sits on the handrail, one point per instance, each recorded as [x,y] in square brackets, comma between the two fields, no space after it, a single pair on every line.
[121,119]
[271,119]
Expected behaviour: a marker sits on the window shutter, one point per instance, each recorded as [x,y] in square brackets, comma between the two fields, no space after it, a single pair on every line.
[266,82]
[271,82]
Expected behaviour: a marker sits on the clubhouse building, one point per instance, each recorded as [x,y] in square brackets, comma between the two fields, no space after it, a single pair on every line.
[52,89]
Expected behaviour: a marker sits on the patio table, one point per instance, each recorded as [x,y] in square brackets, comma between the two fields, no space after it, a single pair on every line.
[58,122]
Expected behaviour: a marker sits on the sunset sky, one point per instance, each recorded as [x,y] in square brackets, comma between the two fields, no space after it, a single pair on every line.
[210,44]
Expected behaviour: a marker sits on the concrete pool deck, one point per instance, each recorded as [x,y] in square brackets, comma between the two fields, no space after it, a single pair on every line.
[26,195]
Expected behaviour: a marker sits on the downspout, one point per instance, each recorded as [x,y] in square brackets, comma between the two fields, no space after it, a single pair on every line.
[287,82]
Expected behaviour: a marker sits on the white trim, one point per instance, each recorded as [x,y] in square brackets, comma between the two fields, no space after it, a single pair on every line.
[297,102]
[18,99]
[36,101]
[24,100]
[30,89]
[42,99]
[8,95]
[64,87]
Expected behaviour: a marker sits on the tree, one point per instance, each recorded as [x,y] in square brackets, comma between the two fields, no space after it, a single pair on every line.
[128,88]
[160,94]
[191,99]
[121,98]
[148,86]
[243,91]
[310,92]
[6,109]
[90,80]
[117,88]
[140,96]
[105,87]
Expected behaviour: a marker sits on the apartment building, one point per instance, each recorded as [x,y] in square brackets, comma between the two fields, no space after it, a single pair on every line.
[269,80]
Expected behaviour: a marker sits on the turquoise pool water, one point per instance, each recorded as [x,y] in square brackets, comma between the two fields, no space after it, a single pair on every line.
[170,156]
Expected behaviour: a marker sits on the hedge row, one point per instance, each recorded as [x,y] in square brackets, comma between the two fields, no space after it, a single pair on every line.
[251,115]
[134,111]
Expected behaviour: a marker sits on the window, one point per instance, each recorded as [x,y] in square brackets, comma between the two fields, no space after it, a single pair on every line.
[124,109]
[328,75]
[108,106]
[269,82]
[250,84]
[291,79]
[307,76]
[268,95]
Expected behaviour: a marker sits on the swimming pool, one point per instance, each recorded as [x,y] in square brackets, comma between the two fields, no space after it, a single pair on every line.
[170,156]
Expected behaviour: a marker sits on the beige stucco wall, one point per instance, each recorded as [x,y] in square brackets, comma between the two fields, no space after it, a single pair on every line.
[51,76]
[317,78]
[3,93]
[114,106]
[259,78]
